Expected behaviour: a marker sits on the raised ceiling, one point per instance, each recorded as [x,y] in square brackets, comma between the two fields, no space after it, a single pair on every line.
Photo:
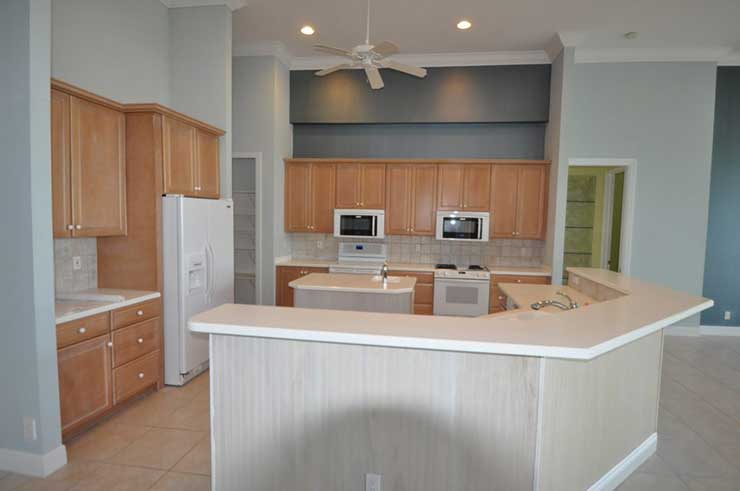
[428,26]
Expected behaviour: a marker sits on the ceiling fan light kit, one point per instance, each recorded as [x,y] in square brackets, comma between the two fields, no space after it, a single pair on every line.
[370,58]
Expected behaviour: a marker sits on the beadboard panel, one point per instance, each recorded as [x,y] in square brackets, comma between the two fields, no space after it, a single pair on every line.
[318,416]
[595,413]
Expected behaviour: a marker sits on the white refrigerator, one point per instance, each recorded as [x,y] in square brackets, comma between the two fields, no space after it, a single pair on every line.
[198,268]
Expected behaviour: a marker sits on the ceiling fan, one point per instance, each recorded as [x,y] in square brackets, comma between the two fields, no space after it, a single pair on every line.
[370,58]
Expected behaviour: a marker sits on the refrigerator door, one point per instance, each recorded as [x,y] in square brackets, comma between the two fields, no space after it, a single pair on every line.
[221,252]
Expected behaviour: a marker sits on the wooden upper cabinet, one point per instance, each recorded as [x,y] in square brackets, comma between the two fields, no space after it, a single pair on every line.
[179,147]
[297,190]
[519,201]
[464,187]
[321,198]
[60,167]
[532,202]
[207,165]
[360,186]
[98,169]
[85,381]
[410,205]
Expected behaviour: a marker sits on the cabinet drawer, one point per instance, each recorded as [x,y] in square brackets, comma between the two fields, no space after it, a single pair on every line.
[424,293]
[135,313]
[421,278]
[527,280]
[135,376]
[137,340]
[423,309]
[81,329]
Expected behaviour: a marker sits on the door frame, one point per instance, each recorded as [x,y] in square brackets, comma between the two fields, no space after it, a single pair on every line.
[258,276]
[628,204]
[606,234]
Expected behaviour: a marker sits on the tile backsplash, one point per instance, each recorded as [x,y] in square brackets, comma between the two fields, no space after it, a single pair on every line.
[66,278]
[427,250]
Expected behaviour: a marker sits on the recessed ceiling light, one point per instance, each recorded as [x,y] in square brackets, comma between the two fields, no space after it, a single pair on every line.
[307,30]
[464,24]
[630,35]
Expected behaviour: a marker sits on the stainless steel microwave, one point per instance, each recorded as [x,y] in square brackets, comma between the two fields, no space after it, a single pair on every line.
[354,224]
[461,225]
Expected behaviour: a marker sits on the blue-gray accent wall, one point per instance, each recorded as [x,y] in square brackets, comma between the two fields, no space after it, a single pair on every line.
[722,266]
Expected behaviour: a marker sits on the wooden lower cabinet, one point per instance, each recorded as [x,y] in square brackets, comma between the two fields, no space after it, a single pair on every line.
[122,360]
[497,302]
[423,291]
[283,276]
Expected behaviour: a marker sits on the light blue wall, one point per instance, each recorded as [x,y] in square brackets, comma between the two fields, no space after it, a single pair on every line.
[28,373]
[722,274]
[662,115]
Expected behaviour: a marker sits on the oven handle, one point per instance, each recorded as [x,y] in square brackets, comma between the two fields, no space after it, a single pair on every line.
[455,282]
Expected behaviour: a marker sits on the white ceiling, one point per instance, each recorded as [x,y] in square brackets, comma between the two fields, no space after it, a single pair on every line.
[428,26]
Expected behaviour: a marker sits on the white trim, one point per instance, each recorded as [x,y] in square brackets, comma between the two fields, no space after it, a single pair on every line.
[606,219]
[30,464]
[628,204]
[177,4]
[259,277]
[483,58]
[267,48]
[704,331]
[630,55]
[620,472]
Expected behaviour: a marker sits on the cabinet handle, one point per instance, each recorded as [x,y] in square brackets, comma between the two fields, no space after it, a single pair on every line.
[141,374]
[70,227]
[500,297]
[78,227]
[109,344]
[140,340]
[82,330]
[197,188]
[139,313]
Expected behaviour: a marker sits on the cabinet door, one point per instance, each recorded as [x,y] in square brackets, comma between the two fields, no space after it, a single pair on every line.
[398,204]
[504,184]
[450,189]
[322,198]
[423,196]
[532,202]
[286,274]
[297,188]
[207,178]
[372,186]
[85,389]
[178,157]
[477,187]
[348,186]
[98,169]
[61,202]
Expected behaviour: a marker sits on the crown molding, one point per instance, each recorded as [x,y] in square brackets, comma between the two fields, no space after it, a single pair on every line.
[632,55]
[176,4]
[437,59]
[265,48]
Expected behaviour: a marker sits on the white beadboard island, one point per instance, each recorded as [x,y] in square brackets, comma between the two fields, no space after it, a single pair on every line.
[307,399]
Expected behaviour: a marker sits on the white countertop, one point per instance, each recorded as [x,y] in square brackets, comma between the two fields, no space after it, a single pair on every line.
[354,283]
[583,333]
[69,310]
[420,267]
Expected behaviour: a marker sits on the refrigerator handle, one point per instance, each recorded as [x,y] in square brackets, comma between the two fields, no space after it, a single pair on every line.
[209,272]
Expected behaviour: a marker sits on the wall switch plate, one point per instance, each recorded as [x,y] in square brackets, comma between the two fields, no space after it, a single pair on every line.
[728,315]
[373,482]
[29,429]
[76,263]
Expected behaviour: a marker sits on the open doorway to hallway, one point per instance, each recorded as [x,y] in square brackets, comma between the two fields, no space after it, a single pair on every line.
[593,221]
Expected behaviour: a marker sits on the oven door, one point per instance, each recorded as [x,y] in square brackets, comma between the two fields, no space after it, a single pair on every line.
[467,298]
[358,225]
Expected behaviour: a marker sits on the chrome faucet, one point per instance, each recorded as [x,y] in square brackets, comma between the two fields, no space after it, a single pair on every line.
[546,303]
[573,303]
[384,273]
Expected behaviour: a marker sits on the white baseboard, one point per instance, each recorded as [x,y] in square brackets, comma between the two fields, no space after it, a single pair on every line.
[703,331]
[620,472]
[30,464]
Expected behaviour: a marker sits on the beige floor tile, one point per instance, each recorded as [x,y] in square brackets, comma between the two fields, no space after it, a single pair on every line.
[159,448]
[690,455]
[4,474]
[11,481]
[175,481]
[713,484]
[655,465]
[196,415]
[109,477]
[103,441]
[154,410]
[45,485]
[640,481]
[76,471]
[198,460]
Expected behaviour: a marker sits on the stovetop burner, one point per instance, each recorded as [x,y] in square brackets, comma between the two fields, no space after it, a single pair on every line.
[476,267]
[445,266]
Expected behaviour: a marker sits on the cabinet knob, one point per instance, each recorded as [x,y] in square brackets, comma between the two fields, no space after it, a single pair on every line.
[139,313]
[197,188]
[500,297]
[70,227]
[109,344]
[141,374]
[82,330]
[78,227]
[140,340]
[518,281]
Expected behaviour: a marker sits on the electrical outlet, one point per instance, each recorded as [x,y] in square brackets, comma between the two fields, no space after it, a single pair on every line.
[574,279]
[728,315]
[319,244]
[76,263]
[373,482]
[29,429]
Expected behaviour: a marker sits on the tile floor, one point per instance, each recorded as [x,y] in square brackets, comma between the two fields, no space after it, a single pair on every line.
[162,442]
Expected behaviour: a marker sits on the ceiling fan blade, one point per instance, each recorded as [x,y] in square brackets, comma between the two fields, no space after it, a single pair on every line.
[373,76]
[333,69]
[386,48]
[402,67]
[333,50]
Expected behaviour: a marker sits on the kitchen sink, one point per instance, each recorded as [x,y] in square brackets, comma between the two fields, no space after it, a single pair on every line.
[391,279]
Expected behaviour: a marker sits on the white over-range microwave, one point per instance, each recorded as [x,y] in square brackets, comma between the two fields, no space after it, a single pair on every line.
[354,224]
[461,225]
